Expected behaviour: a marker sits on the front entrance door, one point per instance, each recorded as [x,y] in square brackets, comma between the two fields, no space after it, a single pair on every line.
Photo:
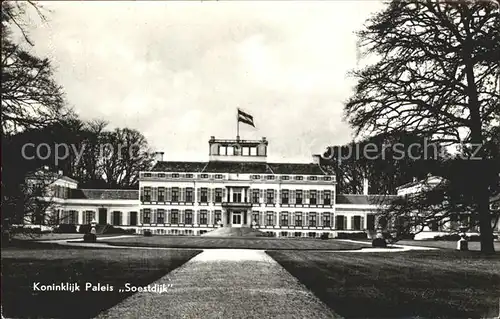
[237,219]
[103,216]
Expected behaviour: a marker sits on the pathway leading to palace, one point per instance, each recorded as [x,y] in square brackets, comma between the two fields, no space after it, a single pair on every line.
[225,283]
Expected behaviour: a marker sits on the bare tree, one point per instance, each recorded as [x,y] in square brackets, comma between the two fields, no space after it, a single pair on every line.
[437,77]
[30,96]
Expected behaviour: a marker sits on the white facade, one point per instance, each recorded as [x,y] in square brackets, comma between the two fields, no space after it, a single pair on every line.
[236,187]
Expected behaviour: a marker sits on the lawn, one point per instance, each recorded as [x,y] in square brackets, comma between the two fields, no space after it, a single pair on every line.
[239,243]
[473,245]
[52,264]
[430,284]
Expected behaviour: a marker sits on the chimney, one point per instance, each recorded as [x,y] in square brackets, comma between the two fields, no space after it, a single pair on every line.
[365,186]
[159,156]
[316,158]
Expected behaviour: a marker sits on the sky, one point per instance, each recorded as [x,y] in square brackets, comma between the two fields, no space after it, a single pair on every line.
[178,71]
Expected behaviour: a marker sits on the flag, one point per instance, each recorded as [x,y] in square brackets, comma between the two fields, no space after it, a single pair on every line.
[245,118]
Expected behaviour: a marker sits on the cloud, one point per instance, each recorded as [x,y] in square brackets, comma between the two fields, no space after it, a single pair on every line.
[177,71]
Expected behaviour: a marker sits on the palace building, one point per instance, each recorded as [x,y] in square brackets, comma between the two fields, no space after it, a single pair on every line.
[235,187]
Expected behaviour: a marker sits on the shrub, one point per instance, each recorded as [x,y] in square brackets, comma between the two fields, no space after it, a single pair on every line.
[66,229]
[148,233]
[324,236]
[362,235]
[456,237]
[84,229]
[117,230]
[379,242]
[89,238]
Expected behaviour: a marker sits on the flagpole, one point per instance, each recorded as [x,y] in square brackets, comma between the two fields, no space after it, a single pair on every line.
[237,125]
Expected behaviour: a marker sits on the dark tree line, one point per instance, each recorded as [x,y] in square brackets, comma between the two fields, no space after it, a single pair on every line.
[35,113]
[437,77]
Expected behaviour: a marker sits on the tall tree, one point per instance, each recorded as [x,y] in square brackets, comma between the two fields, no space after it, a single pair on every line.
[125,152]
[30,98]
[437,77]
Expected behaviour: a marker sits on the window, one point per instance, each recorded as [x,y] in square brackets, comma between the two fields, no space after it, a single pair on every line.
[218,195]
[161,175]
[255,176]
[270,177]
[313,197]
[147,194]
[270,219]
[189,217]
[147,174]
[218,216]
[312,219]
[298,196]
[219,176]
[175,194]
[160,218]
[370,222]
[285,177]
[326,220]
[299,178]
[146,216]
[117,218]
[203,175]
[204,195]
[73,217]
[255,217]
[174,218]
[255,196]
[283,234]
[297,234]
[284,219]
[89,216]
[327,178]
[270,196]
[189,195]
[312,234]
[340,222]
[327,199]
[161,194]
[313,178]
[357,223]
[133,218]
[298,219]
[285,196]
[175,175]
[189,175]
[236,196]
[203,217]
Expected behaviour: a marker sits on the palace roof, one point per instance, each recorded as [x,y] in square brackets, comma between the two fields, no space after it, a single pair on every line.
[239,167]
[115,194]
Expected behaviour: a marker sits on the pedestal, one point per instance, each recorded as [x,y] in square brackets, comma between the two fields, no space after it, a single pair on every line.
[463,244]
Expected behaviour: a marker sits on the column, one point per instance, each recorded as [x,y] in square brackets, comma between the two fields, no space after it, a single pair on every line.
[224,218]
[80,217]
[277,219]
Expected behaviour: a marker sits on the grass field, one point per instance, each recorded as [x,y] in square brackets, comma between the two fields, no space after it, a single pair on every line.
[431,284]
[475,246]
[48,264]
[240,243]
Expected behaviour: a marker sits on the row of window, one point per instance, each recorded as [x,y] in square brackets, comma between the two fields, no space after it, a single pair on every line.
[287,177]
[255,177]
[286,219]
[219,195]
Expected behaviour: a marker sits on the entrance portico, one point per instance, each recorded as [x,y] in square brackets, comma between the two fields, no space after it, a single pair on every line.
[237,208]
